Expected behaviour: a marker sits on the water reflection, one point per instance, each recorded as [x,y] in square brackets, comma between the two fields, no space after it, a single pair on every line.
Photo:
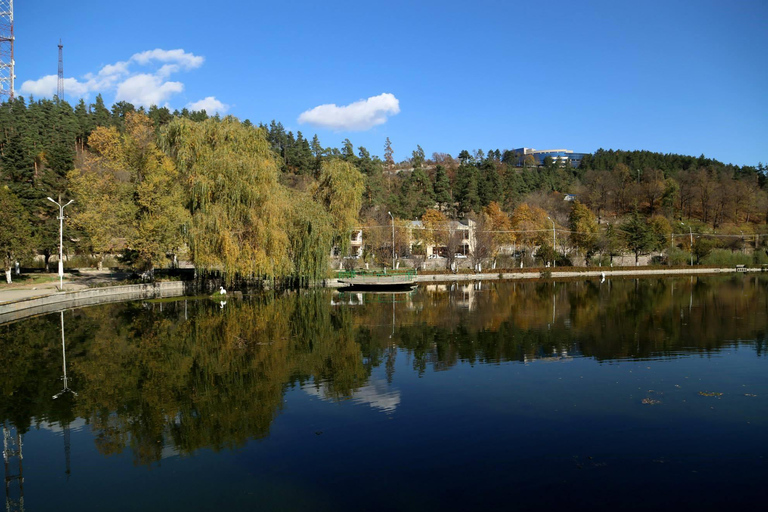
[165,378]
[63,363]
[378,394]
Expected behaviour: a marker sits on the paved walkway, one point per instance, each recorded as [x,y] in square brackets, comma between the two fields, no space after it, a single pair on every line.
[72,282]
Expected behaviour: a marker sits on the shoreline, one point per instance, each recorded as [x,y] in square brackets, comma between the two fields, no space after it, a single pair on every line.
[564,274]
[17,309]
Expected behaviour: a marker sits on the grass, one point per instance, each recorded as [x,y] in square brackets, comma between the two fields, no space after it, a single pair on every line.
[30,279]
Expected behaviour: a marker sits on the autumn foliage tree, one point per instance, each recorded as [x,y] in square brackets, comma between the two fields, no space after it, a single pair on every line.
[103,187]
[129,194]
[530,226]
[234,197]
[435,228]
[584,229]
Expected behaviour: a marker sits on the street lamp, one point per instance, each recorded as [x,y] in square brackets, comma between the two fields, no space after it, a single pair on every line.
[61,236]
[690,230]
[554,244]
[393,240]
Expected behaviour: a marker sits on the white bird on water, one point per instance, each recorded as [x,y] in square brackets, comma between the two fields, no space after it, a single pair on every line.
[602,274]
[222,291]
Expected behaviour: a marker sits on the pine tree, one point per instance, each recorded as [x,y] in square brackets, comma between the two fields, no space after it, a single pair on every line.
[101,115]
[16,239]
[442,188]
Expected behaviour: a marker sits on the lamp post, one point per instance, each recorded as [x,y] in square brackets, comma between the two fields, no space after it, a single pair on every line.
[554,244]
[61,237]
[393,240]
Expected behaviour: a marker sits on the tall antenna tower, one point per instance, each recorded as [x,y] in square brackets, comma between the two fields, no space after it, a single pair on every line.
[60,89]
[7,64]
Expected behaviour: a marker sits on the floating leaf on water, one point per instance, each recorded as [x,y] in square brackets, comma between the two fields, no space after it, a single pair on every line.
[708,393]
[650,401]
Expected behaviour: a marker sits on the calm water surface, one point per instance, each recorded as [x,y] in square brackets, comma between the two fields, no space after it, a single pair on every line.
[627,394]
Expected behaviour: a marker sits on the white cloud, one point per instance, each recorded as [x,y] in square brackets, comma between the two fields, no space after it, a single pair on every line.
[45,86]
[148,85]
[48,85]
[210,104]
[180,57]
[358,116]
[118,68]
[147,90]
[168,70]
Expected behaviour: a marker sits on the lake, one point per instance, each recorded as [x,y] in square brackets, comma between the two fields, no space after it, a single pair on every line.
[625,394]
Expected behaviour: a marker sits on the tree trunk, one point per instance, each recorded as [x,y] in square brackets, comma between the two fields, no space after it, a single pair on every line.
[8,278]
[47,256]
[100,264]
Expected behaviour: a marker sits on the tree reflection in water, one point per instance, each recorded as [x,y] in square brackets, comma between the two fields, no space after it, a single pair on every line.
[186,375]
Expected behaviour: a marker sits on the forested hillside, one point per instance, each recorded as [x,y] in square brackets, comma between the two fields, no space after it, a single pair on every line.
[154,186]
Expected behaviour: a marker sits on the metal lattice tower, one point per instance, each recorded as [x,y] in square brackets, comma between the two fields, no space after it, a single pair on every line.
[60,88]
[14,469]
[7,64]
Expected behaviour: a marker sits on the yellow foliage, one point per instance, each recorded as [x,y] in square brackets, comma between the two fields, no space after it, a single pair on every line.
[238,206]
[531,224]
[435,227]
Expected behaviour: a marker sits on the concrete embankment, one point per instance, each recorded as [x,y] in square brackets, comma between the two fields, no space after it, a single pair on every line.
[11,311]
[561,274]
[558,274]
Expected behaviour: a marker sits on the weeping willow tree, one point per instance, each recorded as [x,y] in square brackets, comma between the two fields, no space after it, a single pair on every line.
[237,205]
[311,234]
[159,196]
[323,217]
[340,190]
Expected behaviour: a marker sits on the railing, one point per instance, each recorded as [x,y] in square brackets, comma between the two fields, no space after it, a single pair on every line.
[379,274]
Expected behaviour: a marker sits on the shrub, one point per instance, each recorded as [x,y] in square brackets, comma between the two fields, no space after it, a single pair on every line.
[760,258]
[677,256]
[726,258]
[600,261]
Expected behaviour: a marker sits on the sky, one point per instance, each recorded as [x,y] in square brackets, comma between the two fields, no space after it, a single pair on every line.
[673,76]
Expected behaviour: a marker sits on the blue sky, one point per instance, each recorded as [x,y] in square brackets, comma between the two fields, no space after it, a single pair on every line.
[686,77]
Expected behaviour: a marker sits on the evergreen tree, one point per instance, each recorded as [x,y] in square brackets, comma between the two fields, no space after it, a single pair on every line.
[466,188]
[416,195]
[16,239]
[85,124]
[637,235]
[442,188]
[119,111]
[374,178]
[317,152]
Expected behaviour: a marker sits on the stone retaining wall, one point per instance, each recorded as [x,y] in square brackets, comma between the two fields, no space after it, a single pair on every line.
[12,311]
[555,274]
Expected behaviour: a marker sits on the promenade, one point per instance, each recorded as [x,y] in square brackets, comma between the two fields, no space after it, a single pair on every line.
[72,282]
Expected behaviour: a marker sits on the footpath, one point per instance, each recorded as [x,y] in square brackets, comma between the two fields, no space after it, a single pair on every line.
[84,279]
[85,288]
